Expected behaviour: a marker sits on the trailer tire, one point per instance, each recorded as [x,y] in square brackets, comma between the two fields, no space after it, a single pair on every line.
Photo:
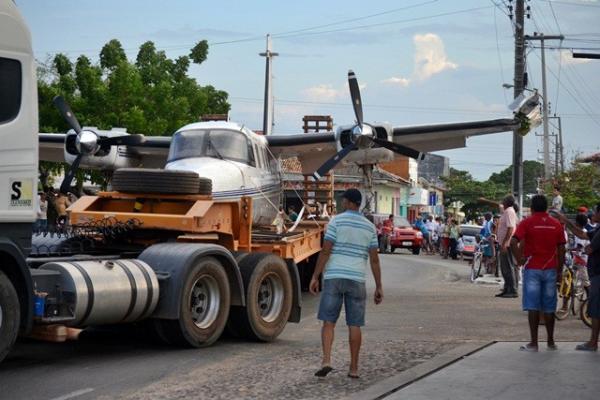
[10,315]
[269,295]
[143,180]
[205,303]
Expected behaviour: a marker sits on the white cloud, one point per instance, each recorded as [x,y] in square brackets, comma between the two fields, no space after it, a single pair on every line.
[322,92]
[430,59]
[430,56]
[328,92]
[403,82]
[566,56]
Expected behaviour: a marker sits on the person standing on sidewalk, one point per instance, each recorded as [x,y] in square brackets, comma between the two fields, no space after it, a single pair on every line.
[349,243]
[539,244]
[593,264]
[506,229]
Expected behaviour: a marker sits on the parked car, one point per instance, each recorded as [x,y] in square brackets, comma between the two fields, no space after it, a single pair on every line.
[469,236]
[404,235]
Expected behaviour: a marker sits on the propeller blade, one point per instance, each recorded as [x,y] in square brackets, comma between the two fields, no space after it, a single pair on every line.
[355,96]
[67,113]
[125,140]
[400,149]
[66,183]
[332,162]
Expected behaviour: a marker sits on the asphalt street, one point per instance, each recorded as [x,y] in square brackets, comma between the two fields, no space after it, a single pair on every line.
[429,307]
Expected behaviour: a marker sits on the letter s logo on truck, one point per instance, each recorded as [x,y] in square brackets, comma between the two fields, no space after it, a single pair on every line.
[21,193]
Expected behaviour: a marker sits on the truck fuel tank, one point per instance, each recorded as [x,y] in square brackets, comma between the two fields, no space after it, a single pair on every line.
[97,292]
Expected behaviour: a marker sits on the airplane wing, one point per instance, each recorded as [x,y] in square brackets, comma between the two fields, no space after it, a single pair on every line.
[312,149]
[151,153]
[427,138]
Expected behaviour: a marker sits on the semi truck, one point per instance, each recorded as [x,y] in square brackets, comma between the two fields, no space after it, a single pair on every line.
[186,265]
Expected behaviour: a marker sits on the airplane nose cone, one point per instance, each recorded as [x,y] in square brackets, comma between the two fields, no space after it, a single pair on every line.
[361,135]
[86,142]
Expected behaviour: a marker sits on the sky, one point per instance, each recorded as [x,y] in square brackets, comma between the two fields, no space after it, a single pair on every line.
[417,61]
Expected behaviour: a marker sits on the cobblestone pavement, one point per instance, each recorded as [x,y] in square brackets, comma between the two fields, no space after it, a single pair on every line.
[289,375]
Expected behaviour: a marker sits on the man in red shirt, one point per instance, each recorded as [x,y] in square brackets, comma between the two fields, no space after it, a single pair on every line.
[539,244]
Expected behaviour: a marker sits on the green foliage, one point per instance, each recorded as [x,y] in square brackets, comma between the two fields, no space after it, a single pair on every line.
[153,96]
[580,186]
[462,187]
[531,171]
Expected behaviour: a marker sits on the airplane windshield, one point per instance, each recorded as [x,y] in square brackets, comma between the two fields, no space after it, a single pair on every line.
[224,144]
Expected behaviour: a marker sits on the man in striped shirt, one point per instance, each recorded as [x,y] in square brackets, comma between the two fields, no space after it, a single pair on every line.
[350,242]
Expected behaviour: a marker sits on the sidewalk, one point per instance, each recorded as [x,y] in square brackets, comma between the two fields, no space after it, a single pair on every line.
[502,372]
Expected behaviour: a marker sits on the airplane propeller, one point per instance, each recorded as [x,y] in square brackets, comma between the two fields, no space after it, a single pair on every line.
[363,135]
[88,142]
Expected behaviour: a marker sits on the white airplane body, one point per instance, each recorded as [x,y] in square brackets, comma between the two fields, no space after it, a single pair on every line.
[242,163]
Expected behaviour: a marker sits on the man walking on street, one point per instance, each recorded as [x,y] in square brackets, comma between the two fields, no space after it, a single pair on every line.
[506,228]
[593,265]
[350,241]
[539,244]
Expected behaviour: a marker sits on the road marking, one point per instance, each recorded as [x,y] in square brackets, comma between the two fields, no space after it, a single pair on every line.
[76,393]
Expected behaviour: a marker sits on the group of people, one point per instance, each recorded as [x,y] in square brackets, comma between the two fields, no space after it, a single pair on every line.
[59,203]
[537,245]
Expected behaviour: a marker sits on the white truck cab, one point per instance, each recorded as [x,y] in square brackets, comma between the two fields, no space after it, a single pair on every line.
[18,121]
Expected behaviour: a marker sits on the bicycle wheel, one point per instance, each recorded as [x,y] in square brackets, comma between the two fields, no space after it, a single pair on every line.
[475,267]
[562,310]
[583,314]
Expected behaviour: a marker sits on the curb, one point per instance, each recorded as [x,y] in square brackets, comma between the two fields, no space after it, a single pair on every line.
[393,384]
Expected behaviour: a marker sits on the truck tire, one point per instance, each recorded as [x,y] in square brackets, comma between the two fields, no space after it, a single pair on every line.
[142,180]
[268,298]
[10,315]
[205,304]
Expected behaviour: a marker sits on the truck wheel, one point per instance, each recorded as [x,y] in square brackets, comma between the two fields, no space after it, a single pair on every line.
[143,180]
[205,301]
[10,315]
[268,298]
[416,250]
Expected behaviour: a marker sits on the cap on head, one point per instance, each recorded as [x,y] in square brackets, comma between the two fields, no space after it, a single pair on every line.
[353,196]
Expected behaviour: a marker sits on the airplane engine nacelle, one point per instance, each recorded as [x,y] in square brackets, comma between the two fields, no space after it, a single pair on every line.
[107,158]
[367,155]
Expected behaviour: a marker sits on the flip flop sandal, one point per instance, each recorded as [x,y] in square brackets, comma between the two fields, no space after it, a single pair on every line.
[585,347]
[322,373]
[353,376]
[528,348]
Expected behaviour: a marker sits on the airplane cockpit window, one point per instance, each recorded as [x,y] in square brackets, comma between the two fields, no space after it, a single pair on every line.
[224,144]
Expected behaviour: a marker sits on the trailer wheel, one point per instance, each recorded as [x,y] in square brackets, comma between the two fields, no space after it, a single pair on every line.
[268,298]
[204,310]
[143,180]
[9,315]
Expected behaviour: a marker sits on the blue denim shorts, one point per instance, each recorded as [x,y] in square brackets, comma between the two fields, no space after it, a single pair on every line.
[337,291]
[539,290]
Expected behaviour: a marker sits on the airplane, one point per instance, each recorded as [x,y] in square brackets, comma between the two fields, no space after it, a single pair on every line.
[241,162]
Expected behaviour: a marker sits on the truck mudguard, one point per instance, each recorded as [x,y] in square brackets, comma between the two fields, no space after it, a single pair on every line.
[12,263]
[172,261]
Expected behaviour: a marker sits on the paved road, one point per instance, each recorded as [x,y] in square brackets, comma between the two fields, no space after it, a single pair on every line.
[429,307]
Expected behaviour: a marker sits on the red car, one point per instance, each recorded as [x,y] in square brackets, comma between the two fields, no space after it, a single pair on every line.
[404,235]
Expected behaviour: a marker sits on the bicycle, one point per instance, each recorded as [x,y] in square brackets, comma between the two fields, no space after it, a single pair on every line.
[477,263]
[572,290]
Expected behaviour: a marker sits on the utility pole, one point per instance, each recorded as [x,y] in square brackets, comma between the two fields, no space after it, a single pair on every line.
[268,101]
[542,38]
[560,147]
[519,85]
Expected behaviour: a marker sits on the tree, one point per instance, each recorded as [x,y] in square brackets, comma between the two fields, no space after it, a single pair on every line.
[462,187]
[153,95]
[532,170]
[580,186]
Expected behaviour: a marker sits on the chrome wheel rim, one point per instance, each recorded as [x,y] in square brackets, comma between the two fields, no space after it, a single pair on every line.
[205,301]
[270,297]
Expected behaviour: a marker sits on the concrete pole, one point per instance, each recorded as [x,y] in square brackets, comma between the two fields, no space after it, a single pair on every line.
[546,137]
[519,85]
[268,100]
